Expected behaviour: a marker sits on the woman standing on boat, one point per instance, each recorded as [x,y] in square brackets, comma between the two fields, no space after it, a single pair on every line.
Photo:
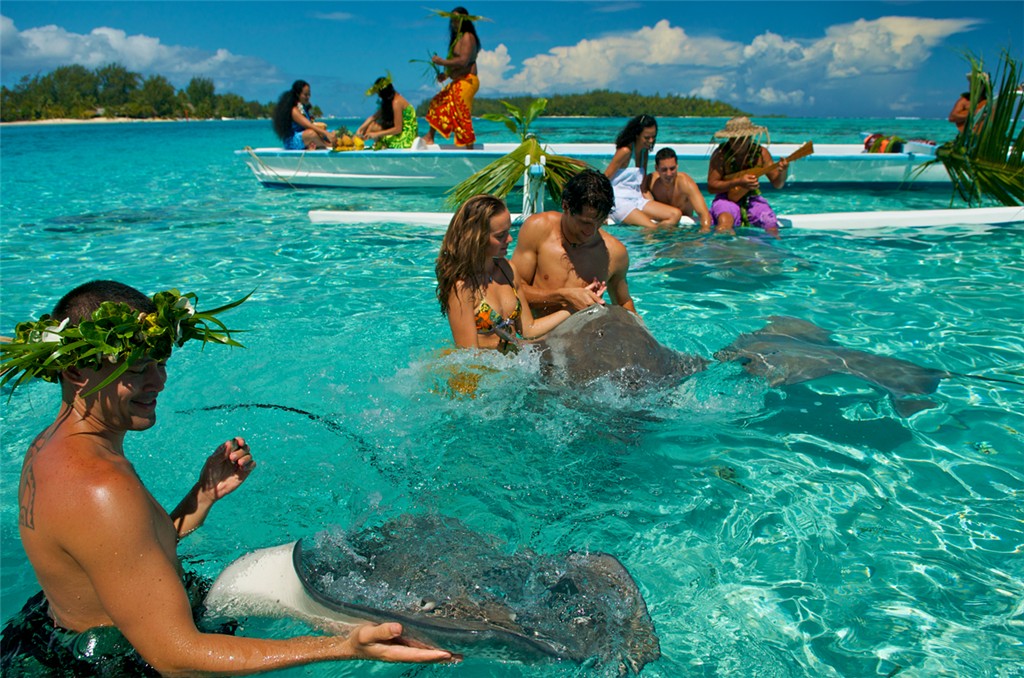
[634,143]
[293,121]
[394,125]
[478,287]
[451,109]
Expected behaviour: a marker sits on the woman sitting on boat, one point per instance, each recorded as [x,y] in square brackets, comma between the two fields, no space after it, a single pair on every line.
[478,287]
[394,125]
[294,124]
[634,143]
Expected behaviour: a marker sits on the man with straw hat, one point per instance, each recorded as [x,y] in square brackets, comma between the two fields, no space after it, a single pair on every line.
[738,198]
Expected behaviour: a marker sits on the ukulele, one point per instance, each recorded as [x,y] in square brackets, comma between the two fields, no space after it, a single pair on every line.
[737,192]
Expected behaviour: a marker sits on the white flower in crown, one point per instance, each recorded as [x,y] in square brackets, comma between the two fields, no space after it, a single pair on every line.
[52,333]
[184,303]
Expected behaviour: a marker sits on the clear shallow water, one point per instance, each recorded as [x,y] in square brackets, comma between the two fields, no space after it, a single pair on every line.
[807,530]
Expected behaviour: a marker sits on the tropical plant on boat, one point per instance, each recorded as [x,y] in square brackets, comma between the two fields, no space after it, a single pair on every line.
[502,175]
[985,159]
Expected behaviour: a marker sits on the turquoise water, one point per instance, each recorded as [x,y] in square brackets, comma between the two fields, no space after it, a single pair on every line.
[798,531]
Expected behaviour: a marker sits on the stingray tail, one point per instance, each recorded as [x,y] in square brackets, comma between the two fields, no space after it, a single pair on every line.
[982,377]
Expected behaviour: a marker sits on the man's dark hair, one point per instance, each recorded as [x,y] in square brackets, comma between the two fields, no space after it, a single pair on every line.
[80,303]
[664,154]
[589,188]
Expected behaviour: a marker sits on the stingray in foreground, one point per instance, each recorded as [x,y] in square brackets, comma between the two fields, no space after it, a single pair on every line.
[609,341]
[453,588]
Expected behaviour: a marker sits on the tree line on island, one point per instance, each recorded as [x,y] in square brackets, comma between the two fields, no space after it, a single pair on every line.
[113,91]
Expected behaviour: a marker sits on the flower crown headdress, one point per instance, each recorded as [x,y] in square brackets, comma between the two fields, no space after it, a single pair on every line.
[116,333]
[380,84]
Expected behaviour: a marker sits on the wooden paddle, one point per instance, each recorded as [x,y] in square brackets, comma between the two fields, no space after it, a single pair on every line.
[737,192]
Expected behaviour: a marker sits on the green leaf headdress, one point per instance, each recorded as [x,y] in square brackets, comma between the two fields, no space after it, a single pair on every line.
[116,333]
[379,84]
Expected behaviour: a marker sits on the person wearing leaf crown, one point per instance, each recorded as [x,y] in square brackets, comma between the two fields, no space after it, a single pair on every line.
[394,124]
[738,201]
[451,109]
[115,599]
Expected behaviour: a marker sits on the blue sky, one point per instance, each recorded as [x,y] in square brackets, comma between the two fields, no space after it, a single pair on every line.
[843,59]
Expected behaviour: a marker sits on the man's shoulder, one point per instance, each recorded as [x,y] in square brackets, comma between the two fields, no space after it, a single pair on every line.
[611,242]
[74,462]
[540,224]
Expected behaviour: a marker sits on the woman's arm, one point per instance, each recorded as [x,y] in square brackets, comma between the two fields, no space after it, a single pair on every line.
[462,317]
[619,161]
[305,123]
[399,124]
[365,127]
[533,328]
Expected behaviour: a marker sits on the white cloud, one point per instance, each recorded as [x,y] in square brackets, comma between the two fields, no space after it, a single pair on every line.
[613,59]
[772,72]
[715,87]
[45,48]
[769,96]
[882,45]
[334,16]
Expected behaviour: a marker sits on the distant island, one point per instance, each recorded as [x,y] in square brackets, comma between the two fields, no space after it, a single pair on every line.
[112,91]
[603,103]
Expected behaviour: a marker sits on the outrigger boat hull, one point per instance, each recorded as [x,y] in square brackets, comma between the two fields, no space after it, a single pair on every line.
[834,221]
[445,166]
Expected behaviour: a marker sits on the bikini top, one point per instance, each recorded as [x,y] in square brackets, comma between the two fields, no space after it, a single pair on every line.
[489,321]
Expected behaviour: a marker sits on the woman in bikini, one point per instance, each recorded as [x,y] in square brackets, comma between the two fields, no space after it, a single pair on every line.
[478,287]
[632,145]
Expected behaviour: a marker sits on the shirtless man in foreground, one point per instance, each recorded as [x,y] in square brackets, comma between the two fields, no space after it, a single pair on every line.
[672,187]
[566,260]
[103,549]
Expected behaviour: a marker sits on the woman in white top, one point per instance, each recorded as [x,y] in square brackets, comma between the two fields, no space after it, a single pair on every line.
[634,143]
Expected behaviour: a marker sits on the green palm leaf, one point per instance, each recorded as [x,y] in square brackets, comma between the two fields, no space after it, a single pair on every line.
[985,160]
[502,175]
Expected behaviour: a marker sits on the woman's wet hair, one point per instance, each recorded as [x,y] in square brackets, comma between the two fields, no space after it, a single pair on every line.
[633,129]
[464,250]
[387,110]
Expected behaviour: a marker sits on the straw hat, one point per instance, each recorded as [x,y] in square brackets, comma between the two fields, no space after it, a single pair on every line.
[740,127]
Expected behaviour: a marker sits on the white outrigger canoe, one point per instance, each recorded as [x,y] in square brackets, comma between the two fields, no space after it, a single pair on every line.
[445,166]
[833,221]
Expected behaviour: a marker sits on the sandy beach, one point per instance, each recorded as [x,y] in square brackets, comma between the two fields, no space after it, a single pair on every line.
[89,121]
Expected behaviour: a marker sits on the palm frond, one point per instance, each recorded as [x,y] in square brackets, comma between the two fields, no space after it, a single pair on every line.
[502,175]
[985,159]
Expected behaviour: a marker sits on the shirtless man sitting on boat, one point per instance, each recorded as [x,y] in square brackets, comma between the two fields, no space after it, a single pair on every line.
[115,598]
[565,259]
[670,186]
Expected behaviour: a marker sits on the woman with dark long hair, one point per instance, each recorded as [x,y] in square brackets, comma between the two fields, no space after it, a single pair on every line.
[633,144]
[294,124]
[451,109]
[478,287]
[394,124]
